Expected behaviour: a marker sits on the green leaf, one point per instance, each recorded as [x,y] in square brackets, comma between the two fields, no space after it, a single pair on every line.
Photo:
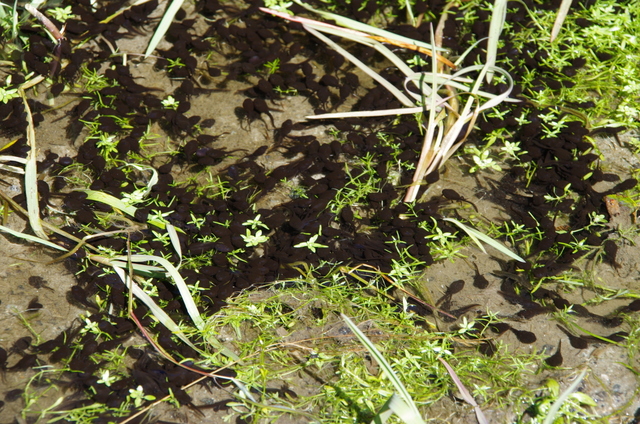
[157,312]
[584,399]
[498,17]
[555,408]
[31,177]
[110,200]
[411,412]
[477,236]
[190,305]
[29,237]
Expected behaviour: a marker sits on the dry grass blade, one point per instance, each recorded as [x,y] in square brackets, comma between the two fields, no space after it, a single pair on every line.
[53,30]
[397,93]
[5,158]
[563,11]
[163,26]
[435,130]
[359,26]
[465,393]
[444,129]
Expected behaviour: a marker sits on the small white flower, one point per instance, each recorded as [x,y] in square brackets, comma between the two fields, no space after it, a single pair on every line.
[106,379]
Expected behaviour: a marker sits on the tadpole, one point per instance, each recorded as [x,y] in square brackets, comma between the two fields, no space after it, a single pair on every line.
[576,341]
[555,360]
[523,336]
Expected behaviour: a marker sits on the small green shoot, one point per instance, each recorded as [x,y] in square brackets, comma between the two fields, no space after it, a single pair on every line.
[311,244]
[252,239]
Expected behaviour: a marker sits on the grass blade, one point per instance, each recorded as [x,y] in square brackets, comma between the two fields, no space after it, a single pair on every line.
[367,113]
[465,393]
[141,268]
[190,305]
[388,370]
[152,181]
[376,77]
[498,17]
[163,26]
[385,412]
[31,176]
[5,158]
[477,236]
[161,316]
[553,411]
[157,312]
[116,203]
[394,405]
[29,237]
[359,26]
[175,241]
[110,200]
[563,11]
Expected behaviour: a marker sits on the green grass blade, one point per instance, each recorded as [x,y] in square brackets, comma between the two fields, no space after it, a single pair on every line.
[384,413]
[157,312]
[110,200]
[402,410]
[152,181]
[394,405]
[14,21]
[412,413]
[146,269]
[553,411]
[31,175]
[190,305]
[498,17]
[163,26]
[175,241]
[359,26]
[477,236]
[116,203]
[188,300]
[29,237]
